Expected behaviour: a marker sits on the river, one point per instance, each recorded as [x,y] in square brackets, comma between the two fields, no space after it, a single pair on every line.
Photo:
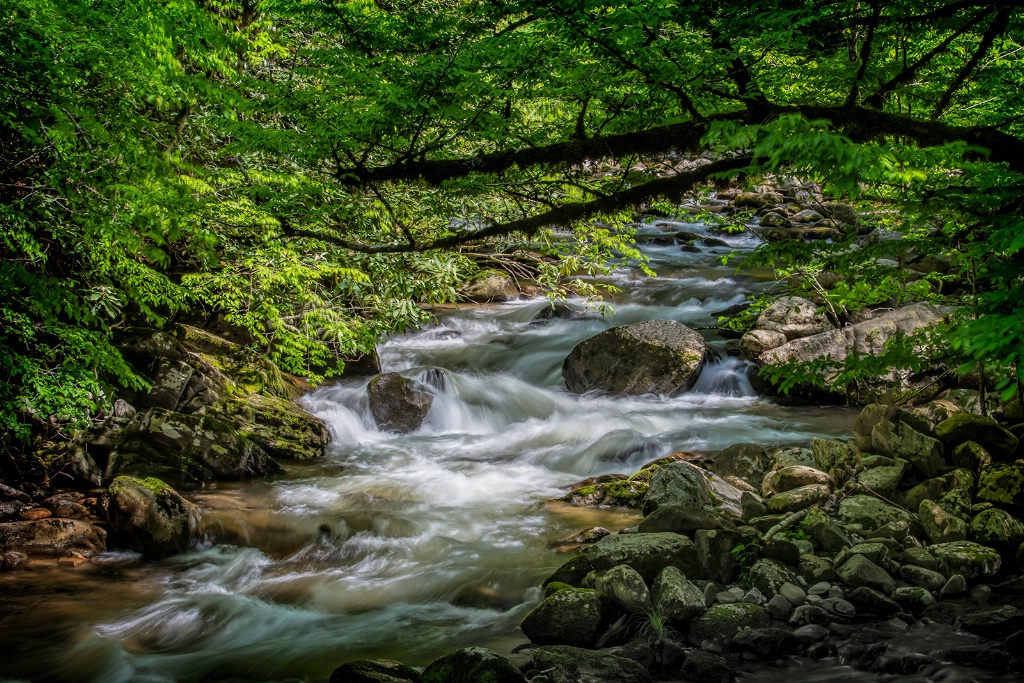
[409,546]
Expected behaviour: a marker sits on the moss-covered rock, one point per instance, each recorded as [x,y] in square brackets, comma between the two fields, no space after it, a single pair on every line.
[768,576]
[150,517]
[651,357]
[278,426]
[51,537]
[374,671]
[953,492]
[490,286]
[798,498]
[985,431]
[966,558]
[675,597]
[678,483]
[722,622]
[625,588]
[565,664]
[746,461]
[648,554]
[618,493]
[971,456]
[869,512]
[472,665]
[939,525]
[860,571]
[996,528]
[1002,484]
[572,616]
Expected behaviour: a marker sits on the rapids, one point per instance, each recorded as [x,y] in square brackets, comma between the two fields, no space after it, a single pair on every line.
[409,546]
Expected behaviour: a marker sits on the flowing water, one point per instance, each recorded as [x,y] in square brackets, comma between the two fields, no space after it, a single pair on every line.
[409,546]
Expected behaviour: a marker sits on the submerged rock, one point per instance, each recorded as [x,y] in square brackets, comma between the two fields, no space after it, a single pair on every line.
[398,404]
[652,357]
[150,517]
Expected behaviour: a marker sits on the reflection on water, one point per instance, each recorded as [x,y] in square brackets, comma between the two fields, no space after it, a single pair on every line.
[407,546]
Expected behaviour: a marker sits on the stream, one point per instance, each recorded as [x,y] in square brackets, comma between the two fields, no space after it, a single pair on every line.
[407,547]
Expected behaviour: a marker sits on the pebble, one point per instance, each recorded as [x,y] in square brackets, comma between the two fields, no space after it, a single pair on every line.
[727,598]
[755,597]
[957,585]
[794,594]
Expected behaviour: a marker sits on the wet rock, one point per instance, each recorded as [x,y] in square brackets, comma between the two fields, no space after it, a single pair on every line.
[869,512]
[810,614]
[966,558]
[278,426]
[568,617]
[591,535]
[490,286]
[188,449]
[984,431]
[472,665]
[51,537]
[870,603]
[939,525]
[706,667]
[398,404]
[677,598]
[837,607]
[767,643]
[978,657]
[374,671]
[755,342]
[774,220]
[913,599]
[799,498]
[628,492]
[626,588]
[768,576]
[677,483]
[794,317]
[924,578]
[920,557]
[33,514]
[992,622]
[806,216]
[651,357]
[744,460]
[562,664]
[648,554]
[957,585]
[757,200]
[150,517]
[12,560]
[860,571]
[812,633]
[722,622]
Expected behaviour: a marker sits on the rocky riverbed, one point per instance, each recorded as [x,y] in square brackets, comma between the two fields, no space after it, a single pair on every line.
[736,535]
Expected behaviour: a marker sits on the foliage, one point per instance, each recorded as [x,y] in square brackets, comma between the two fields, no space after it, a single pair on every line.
[314,171]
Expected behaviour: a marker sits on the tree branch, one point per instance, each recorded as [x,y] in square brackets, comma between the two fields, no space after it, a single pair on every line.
[865,55]
[995,29]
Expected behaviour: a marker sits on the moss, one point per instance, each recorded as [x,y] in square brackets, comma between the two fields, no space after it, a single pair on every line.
[1001,484]
[554,587]
[154,485]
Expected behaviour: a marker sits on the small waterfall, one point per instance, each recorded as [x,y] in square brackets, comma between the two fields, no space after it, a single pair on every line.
[725,377]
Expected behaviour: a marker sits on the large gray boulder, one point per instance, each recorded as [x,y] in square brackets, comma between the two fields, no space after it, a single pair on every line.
[648,554]
[794,317]
[652,357]
[150,517]
[866,338]
[676,597]
[746,461]
[491,286]
[398,404]
[678,483]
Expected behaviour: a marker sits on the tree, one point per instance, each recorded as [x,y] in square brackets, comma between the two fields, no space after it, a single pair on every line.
[313,168]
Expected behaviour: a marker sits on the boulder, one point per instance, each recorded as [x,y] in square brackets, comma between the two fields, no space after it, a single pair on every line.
[374,671]
[996,528]
[572,616]
[472,665]
[939,525]
[625,588]
[966,558]
[279,427]
[774,220]
[767,643]
[648,554]
[52,536]
[798,498]
[838,458]
[684,519]
[903,441]
[677,483]
[925,578]
[757,200]
[883,475]
[490,286]
[789,478]
[870,603]
[860,571]
[869,512]
[1002,484]
[714,548]
[794,317]
[150,517]
[952,491]
[722,622]
[755,342]
[675,597]
[706,667]
[398,403]
[187,449]
[824,532]
[866,338]
[651,357]
[984,431]
[747,461]
[768,576]
[971,456]
[563,664]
